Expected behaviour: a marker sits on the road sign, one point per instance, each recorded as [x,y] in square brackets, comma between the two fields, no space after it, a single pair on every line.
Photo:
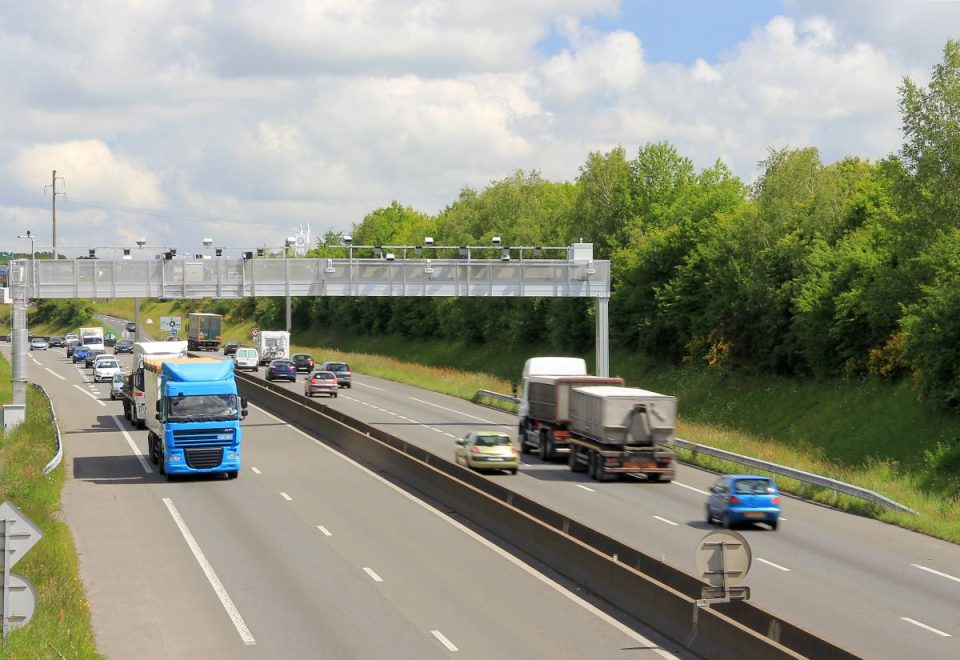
[723,558]
[171,323]
[173,332]
[21,601]
[17,533]
[254,332]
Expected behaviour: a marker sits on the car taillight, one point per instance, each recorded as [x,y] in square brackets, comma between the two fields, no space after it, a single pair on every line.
[734,499]
[474,450]
[514,451]
[313,381]
[776,500]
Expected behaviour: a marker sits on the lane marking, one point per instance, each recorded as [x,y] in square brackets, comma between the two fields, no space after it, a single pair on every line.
[256,470]
[324,530]
[586,488]
[373,576]
[54,373]
[770,563]
[459,412]
[603,616]
[669,522]
[443,640]
[372,387]
[696,490]
[133,446]
[218,587]
[925,626]
[930,570]
[90,395]
[286,497]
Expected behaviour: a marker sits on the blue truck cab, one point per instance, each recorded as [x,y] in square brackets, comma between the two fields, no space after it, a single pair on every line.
[196,410]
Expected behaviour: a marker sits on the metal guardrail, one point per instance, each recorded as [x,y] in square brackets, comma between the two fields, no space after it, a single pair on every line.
[55,461]
[773,468]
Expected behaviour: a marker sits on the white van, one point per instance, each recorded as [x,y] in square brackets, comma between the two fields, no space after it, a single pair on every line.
[246,358]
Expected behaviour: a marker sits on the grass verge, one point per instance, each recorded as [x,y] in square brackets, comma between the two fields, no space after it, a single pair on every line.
[61,623]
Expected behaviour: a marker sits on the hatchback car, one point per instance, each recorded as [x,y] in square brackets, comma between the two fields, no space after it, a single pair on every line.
[282,370]
[740,498]
[116,386]
[70,335]
[246,358]
[231,347]
[342,369]
[38,344]
[71,344]
[131,326]
[91,356]
[80,353]
[104,367]
[302,362]
[488,450]
[123,346]
[321,382]
[55,342]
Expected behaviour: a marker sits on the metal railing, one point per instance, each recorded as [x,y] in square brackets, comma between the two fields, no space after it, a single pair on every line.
[489,394]
[58,457]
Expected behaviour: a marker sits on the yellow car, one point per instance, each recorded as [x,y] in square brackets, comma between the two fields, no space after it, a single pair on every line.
[488,450]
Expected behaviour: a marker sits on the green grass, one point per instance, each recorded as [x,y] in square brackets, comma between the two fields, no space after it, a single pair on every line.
[61,623]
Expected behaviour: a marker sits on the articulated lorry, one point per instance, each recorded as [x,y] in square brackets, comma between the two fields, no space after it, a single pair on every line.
[204,331]
[194,425]
[596,423]
[92,337]
[272,345]
[132,394]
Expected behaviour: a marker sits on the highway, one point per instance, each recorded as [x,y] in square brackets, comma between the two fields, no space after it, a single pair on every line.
[878,590]
[307,554]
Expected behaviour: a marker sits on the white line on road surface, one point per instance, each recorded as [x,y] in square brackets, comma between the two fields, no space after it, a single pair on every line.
[324,530]
[372,387]
[133,445]
[373,576]
[586,488]
[696,490]
[770,563]
[930,570]
[458,412]
[669,522]
[443,640]
[925,626]
[603,616]
[286,497]
[54,373]
[256,470]
[218,587]
[90,395]
[35,361]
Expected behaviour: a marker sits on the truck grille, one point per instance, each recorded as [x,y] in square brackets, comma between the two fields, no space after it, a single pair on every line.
[203,458]
[212,437]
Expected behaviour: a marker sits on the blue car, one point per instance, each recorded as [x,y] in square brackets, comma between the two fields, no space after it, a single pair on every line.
[80,354]
[740,498]
[282,369]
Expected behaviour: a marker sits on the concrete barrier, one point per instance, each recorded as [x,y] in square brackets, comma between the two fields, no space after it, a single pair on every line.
[651,591]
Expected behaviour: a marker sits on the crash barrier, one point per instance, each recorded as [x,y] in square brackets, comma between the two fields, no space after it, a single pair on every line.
[756,463]
[651,591]
[58,457]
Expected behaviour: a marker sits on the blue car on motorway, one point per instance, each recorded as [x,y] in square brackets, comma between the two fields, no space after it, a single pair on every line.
[80,354]
[740,498]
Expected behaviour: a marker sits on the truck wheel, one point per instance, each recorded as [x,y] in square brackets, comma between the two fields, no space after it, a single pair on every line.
[152,447]
[546,448]
[232,474]
[592,465]
[575,464]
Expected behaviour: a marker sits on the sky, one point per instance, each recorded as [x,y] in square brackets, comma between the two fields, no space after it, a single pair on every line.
[241,121]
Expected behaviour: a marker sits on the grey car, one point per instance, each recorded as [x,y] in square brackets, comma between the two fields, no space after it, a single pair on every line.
[341,369]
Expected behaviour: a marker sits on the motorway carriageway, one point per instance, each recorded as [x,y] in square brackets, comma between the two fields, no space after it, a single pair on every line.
[307,554]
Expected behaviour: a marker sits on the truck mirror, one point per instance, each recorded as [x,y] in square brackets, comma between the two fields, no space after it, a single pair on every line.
[243,413]
[243,402]
[158,409]
[513,387]
[158,415]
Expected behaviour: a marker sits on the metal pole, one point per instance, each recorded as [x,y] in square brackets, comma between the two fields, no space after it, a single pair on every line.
[54,204]
[603,337]
[136,319]
[18,333]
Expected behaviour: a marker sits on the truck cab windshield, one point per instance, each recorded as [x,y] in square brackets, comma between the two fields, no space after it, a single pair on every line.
[202,408]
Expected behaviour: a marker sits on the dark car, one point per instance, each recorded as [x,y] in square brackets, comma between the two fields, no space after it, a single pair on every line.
[55,341]
[740,498]
[342,369]
[91,357]
[302,361]
[230,348]
[80,353]
[282,369]
[131,326]
[123,346]
[71,345]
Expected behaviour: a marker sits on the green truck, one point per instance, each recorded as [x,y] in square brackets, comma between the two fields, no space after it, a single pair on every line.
[204,331]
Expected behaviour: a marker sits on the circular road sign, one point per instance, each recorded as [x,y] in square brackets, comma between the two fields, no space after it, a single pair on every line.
[254,332]
[723,557]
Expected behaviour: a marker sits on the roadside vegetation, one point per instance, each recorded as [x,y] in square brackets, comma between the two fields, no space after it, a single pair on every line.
[60,627]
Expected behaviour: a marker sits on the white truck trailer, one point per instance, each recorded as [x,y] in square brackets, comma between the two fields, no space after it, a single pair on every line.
[134,405]
[92,337]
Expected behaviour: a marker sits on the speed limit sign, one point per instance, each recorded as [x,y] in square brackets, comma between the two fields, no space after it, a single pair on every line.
[254,332]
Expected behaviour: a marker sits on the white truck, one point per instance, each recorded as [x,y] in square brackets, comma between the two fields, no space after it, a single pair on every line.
[92,337]
[134,405]
[273,344]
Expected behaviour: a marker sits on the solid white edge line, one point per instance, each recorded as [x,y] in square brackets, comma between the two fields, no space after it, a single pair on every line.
[770,563]
[586,488]
[133,445]
[459,412]
[256,470]
[54,373]
[930,570]
[669,522]
[696,490]
[600,614]
[324,530]
[285,496]
[372,574]
[218,587]
[443,640]
[90,395]
[925,626]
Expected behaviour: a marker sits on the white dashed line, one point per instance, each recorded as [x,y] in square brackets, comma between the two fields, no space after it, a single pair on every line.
[218,587]
[586,488]
[373,576]
[770,563]
[256,470]
[669,522]
[436,429]
[90,395]
[930,570]
[55,373]
[925,626]
[696,490]
[443,640]
[324,530]
[458,412]
[372,387]
[133,446]
[286,497]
